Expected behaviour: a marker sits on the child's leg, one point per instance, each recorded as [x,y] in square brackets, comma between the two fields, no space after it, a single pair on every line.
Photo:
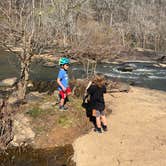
[67,93]
[104,120]
[62,99]
[98,122]
[61,102]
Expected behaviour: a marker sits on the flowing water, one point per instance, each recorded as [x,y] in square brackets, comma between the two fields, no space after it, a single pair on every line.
[145,74]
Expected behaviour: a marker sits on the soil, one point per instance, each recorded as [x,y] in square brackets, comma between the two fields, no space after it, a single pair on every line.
[136,135]
[57,128]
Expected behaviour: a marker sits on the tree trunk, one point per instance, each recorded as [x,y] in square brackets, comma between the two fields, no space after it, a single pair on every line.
[144,41]
[155,44]
[22,85]
[6,132]
[65,43]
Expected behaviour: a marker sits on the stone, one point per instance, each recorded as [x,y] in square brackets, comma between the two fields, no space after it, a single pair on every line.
[34,97]
[1,102]
[162,65]
[8,81]
[126,68]
[49,64]
[22,130]
[46,106]
[12,100]
[123,87]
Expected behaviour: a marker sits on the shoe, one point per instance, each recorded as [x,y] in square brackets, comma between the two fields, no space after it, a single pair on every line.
[63,108]
[104,128]
[98,130]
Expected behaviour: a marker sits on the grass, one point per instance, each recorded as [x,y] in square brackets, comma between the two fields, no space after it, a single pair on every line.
[36,112]
[44,120]
[65,121]
[40,129]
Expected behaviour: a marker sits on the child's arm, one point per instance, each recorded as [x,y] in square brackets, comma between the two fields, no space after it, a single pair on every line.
[60,84]
[85,96]
[91,89]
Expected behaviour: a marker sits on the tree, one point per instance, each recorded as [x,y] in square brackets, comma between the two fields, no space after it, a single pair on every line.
[21,27]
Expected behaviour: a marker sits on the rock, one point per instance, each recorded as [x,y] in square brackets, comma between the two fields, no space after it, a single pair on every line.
[126,68]
[30,85]
[161,59]
[156,65]
[43,86]
[139,49]
[162,65]
[46,106]
[124,87]
[105,61]
[12,100]
[117,87]
[49,64]
[8,82]
[34,97]
[1,103]
[22,130]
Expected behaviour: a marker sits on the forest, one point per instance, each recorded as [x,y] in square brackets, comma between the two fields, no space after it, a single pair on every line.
[36,24]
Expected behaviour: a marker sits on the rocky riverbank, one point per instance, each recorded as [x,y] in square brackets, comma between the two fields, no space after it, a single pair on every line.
[125,55]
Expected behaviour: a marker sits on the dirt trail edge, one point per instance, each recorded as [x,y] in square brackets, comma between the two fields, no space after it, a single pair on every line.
[136,136]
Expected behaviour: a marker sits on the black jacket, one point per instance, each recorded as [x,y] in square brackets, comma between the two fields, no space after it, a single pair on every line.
[97,97]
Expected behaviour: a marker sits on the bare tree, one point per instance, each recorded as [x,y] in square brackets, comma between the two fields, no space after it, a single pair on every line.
[21,28]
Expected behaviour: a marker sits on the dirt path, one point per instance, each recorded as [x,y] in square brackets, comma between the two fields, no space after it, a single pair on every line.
[136,136]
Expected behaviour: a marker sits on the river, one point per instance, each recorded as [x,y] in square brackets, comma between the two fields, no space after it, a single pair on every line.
[144,74]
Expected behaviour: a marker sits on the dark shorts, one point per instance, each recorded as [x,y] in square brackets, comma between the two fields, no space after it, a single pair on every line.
[64,94]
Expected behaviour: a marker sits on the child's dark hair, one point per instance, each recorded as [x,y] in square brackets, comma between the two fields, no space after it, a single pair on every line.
[99,80]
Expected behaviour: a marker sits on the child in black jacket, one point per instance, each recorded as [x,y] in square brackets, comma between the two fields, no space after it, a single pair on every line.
[96,92]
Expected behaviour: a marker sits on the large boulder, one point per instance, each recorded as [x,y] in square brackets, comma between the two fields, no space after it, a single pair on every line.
[22,130]
[9,82]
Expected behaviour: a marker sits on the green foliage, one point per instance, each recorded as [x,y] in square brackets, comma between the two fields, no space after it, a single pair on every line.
[36,112]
